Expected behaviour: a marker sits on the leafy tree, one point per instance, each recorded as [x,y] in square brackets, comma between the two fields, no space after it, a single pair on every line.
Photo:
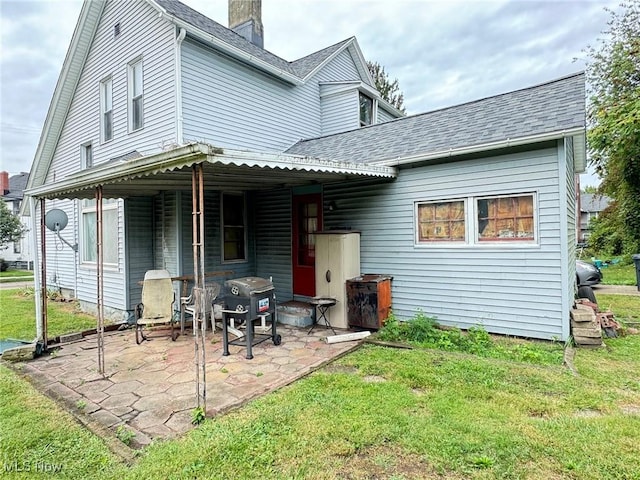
[590,189]
[613,75]
[11,228]
[389,90]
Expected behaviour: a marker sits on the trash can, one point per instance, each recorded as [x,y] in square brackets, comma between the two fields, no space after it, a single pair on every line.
[636,261]
[368,300]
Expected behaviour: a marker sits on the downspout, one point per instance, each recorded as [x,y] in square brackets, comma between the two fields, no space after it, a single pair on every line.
[36,268]
[178,83]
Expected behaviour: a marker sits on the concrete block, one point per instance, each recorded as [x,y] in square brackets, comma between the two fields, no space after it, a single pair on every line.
[587,332]
[587,340]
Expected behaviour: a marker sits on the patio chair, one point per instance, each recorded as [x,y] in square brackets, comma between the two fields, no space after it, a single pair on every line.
[156,307]
[191,305]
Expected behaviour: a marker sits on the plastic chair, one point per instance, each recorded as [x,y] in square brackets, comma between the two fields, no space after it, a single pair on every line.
[192,304]
[156,307]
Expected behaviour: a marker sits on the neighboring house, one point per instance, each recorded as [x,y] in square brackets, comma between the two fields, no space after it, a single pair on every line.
[590,207]
[470,208]
[17,254]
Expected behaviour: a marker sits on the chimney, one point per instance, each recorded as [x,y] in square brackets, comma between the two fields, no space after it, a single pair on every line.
[4,183]
[245,18]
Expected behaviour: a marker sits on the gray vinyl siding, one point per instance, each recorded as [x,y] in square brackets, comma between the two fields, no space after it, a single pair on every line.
[165,218]
[231,105]
[143,34]
[384,116]
[139,244]
[508,289]
[62,261]
[273,239]
[340,112]
[571,215]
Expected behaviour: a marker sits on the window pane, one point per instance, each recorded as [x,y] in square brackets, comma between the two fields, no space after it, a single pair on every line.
[366,110]
[107,98]
[136,120]
[233,227]
[441,221]
[108,129]
[89,239]
[506,218]
[109,232]
[137,79]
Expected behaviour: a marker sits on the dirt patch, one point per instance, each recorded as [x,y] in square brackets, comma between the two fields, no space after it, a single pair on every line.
[587,413]
[630,409]
[386,461]
[334,368]
[374,379]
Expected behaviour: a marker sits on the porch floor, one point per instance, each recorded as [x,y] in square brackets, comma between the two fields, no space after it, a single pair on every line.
[150,388]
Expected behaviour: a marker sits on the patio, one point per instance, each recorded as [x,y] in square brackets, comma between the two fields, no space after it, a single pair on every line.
[150,388]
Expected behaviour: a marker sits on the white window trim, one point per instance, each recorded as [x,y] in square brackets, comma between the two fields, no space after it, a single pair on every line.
[471,224]
[130,86]
[83,155]
[103,91]
[106,206]
[245,228]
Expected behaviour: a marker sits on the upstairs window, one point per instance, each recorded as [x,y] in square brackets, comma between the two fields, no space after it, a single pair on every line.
[366,110]
[86,156]
[136,95]
[234,230]
[506,218]
[106,109]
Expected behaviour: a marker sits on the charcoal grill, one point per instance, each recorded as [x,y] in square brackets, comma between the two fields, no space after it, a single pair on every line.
[248,300]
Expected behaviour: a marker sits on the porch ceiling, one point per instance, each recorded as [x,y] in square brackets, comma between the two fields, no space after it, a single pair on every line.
[224,169]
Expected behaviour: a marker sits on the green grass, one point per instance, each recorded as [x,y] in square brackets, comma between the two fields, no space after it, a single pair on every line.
[626,308]
[16,273]
[619,275]
[380,413]
[17,317]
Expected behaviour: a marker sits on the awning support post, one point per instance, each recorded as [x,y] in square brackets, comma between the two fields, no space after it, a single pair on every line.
[100,280]
[197,225]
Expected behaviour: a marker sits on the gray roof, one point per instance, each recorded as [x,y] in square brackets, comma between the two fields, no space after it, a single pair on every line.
[543,109]
[17,184]
[299,68]
[590,202]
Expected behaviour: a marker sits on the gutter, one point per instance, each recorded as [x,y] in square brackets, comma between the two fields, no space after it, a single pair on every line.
[454,152]
[229,49]
[178,85]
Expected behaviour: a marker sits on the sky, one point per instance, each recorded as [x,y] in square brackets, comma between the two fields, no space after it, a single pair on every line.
[442,53]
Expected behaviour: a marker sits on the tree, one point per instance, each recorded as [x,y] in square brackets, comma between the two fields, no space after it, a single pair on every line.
[11,228]
[613,77]
[590,189]
[389,90]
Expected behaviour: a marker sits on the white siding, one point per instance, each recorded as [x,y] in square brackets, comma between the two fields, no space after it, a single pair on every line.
[509,290]
[144,34]
[384,116]
[340,112]
[230,105]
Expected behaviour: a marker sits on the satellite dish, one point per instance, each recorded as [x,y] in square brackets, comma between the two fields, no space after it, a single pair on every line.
[56,220]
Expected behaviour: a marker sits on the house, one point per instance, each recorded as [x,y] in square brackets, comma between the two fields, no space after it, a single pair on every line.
[470,208]
[590,207]
[17,254]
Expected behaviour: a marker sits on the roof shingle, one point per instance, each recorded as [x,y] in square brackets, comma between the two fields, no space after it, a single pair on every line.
[546,108]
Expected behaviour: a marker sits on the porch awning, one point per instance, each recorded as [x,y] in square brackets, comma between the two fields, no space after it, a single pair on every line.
[224,169]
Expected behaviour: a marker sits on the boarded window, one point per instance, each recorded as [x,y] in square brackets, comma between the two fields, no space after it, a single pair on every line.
[506,218]
[441,221]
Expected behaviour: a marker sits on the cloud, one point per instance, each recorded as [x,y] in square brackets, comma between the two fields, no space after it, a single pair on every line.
[443,53]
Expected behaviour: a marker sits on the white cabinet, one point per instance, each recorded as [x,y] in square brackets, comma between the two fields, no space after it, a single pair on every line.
[337,260]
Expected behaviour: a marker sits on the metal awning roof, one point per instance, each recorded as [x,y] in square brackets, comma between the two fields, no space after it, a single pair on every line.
[224,169]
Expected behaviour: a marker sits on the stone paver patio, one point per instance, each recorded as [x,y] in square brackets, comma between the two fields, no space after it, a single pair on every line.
[150,388]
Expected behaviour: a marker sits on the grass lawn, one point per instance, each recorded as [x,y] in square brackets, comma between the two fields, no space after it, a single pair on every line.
[626,308]
[16,273]
[17,317]
[378,413]
[619,275]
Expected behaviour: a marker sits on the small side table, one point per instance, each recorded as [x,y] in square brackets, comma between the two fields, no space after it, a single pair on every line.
[321,305]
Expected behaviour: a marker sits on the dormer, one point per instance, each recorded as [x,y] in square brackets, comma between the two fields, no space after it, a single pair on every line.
[347,105]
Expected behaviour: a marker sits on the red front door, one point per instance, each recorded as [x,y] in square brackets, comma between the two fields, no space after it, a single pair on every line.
[307,219]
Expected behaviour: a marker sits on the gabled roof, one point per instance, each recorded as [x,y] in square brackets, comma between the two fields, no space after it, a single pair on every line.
[237,46]
[17,184]
[551,110]
[195,23]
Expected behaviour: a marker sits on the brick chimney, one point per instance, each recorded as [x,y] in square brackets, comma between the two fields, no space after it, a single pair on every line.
[245,18]
[4,183]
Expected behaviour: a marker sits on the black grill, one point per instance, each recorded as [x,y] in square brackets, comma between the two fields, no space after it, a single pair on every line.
[252,294]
